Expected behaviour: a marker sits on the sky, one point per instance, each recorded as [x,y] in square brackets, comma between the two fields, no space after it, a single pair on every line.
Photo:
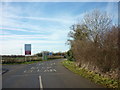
[44,25]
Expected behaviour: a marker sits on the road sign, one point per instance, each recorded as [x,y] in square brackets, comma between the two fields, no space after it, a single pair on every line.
[27,49]
[50,53]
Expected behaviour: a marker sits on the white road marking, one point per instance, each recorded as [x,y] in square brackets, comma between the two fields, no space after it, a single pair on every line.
[24,71]
[50,70]
[49,67]
[32,67]
[39,64]
[31,70]
[54,70]
[41,85]
[44,70]
[38,70]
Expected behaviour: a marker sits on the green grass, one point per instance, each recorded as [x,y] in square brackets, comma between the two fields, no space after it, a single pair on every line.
[97,78]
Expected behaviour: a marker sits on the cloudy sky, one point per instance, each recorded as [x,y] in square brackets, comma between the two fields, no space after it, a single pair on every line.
[45,25]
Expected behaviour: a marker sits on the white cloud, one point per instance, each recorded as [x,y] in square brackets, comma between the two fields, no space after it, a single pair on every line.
[4,32]
[59,19]
[13,29]
[10,37]
[56,36]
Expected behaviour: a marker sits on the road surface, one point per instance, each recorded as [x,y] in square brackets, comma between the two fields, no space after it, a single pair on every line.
[47,74]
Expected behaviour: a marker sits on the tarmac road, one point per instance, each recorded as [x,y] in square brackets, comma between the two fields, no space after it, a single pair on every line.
[47,74]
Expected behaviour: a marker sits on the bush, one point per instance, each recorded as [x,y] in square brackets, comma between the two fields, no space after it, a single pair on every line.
[70,55]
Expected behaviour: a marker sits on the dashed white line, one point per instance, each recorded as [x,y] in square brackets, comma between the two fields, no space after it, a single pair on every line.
[41,85]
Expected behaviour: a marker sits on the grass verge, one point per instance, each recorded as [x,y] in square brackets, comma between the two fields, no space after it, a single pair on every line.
[97,78]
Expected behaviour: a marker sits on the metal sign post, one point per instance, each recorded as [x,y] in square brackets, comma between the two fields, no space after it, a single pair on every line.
[44,55]
[25,58]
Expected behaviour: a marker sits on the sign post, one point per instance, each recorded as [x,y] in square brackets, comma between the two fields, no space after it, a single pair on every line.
[27,50]
[44,55]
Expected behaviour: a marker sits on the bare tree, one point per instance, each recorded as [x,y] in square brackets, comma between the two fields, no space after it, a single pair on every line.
[97,22]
